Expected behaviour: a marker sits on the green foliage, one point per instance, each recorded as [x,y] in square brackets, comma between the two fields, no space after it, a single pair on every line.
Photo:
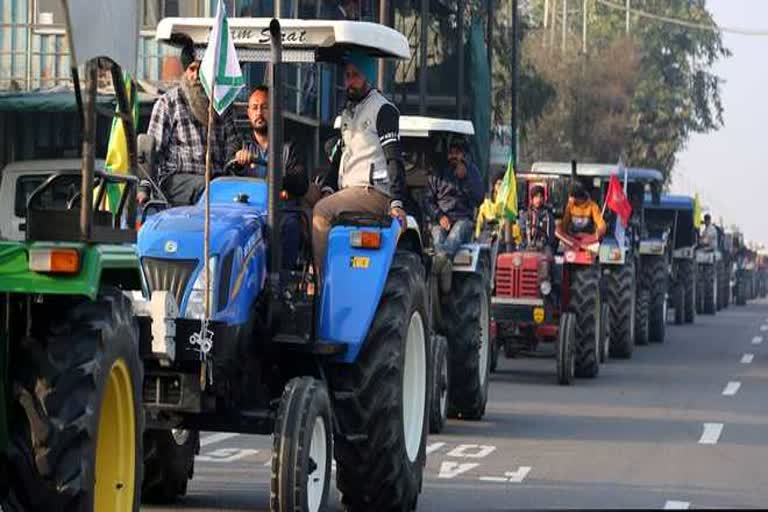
[641,95]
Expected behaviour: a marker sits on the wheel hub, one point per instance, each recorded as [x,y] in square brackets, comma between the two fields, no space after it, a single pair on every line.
[414,389]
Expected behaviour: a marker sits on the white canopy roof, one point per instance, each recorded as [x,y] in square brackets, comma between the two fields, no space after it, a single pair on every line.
[253,33]
[107,28]
[419,126]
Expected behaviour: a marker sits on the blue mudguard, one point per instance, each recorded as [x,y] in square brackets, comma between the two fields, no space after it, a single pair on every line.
[353,284]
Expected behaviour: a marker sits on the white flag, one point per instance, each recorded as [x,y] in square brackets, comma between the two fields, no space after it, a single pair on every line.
[220,71]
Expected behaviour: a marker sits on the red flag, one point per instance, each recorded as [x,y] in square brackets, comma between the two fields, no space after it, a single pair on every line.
[617,201]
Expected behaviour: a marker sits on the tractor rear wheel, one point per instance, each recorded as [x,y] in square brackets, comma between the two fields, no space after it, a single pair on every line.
[302,448]
[709,289]
[565,361]
[656,281]
[641,320]
[77,390]
[469,346]
[678,302]
[605,333]
[169,463]
[380,402]
[620,297]
[687,278]
[441,380]
[585,304]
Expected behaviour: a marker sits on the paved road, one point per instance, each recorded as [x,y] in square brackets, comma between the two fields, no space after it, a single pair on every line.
[683,424]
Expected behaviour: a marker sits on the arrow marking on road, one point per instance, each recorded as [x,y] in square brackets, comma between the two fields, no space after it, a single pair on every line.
[472,451]
[747,358]
[711,433]
[434,447]
[757,340]
[676,505]
[764,328]
[216,438]
[518,476]
[731,388]
[450,469]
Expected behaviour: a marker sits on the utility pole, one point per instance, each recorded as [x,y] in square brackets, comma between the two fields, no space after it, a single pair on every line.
[514,92]
[565,23]
[585,7]
[546,13]
[628,17]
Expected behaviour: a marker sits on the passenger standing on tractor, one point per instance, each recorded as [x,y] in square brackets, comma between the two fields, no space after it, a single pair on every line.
[179,126]
[537,223]
[254,157]
[453,193]
[367,175]
[582,215]
[709,235]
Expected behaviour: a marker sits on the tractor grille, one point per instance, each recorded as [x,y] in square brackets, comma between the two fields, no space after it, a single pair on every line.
[168,275]
[512,281]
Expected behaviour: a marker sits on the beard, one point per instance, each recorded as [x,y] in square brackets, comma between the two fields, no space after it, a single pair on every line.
[354,94]
[197,99]
[261,129]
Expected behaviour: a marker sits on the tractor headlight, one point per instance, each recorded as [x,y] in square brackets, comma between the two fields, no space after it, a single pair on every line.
[196,303]
[545,287]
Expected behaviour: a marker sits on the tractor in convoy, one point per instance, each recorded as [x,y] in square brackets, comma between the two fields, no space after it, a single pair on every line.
[709,271]
[550,296]
[745,272]
[461,343]
[71,380]
[671,219]
[340,369]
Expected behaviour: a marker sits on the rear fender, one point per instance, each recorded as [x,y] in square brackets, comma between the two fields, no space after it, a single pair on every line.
[352,287]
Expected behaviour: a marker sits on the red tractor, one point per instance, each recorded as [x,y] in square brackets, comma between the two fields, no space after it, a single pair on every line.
[543,298]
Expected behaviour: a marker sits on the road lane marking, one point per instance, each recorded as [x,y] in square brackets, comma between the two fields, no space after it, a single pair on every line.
[434,447]
[472,451]
[676,505]
[731,388]
[450,469]
[747,358]
[757,340]
[216,438]
[764,328]
[518,476]
[498,479]
[226,455]
[711,433]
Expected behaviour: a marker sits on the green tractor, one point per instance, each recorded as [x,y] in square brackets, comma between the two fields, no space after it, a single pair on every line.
[71,418]
[671,220]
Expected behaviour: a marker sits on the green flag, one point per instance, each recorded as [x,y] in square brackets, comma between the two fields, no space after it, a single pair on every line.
[508,193]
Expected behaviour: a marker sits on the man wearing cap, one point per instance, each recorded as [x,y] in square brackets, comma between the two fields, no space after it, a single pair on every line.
[453,194]
[178,126]
[367,174]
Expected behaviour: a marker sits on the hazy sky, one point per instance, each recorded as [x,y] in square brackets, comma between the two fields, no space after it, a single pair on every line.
[729,167]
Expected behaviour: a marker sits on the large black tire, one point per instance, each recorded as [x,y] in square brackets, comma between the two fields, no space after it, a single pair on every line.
[642,331]
[469,347]
[495,350]
[169,463]
[302,448]
[725,286]
[605,333]
[69,382]
[721,285]
[585,304]
[620,296]
[677,294]
[565,362]
[687,278]
[377,467]
[741,291]
[709,289]
[441,382]
[656,281]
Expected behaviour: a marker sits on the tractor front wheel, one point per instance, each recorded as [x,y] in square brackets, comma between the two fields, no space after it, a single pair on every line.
[656,282]
[77,390]
[565,360]
[441,379]
[169,463]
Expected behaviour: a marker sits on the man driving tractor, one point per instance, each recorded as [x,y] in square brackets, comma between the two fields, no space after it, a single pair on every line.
[582,215]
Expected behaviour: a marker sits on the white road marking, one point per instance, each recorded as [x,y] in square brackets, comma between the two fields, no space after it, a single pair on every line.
[518,476]
[757,340]
[450,469]
[676,505]
[216,438]
[472,451]
[731,388]
[434,447]
[747,358]
[499,479]
[711,433]
[226,455]
[764,328]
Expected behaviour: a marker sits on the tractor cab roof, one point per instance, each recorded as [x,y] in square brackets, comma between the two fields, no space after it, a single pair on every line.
[424,127]
[670,202]
[303,40]
[600,171]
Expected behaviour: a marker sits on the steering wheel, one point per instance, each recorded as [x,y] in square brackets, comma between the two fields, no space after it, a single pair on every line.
[232,168]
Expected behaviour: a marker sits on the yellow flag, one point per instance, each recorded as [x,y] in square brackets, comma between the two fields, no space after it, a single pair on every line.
[117,161]
[696,211]
[508,193]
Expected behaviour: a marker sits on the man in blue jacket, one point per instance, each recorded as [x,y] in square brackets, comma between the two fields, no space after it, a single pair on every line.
[453,193]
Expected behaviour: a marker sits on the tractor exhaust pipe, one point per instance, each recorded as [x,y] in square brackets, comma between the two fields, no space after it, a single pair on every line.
[275,154]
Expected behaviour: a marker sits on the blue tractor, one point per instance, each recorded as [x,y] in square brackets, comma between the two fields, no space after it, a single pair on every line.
[338,372]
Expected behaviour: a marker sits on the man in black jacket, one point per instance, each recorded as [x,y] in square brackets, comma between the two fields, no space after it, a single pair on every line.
[254,157]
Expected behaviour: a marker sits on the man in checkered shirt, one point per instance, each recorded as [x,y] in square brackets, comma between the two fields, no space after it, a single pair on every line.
[178,127]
